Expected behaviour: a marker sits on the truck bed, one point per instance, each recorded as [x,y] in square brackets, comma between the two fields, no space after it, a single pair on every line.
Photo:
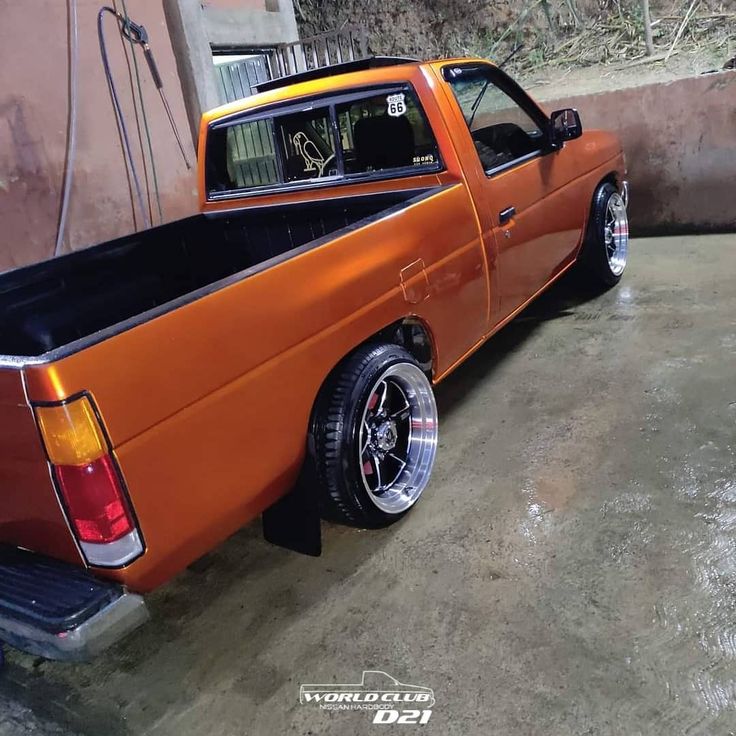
[49,305]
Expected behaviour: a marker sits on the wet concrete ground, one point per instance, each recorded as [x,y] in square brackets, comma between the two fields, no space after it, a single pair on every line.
[570,570]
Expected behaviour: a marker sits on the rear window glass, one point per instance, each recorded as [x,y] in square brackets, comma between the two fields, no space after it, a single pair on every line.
[308,145]
[374,134]
[251,155]
[384,132]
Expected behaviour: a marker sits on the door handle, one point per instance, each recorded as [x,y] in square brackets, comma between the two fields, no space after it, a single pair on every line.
[505,215]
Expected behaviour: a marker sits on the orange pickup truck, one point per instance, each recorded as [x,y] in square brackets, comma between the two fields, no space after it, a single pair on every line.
[364,228]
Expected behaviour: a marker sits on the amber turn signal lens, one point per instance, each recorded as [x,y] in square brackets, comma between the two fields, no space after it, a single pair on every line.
[71,433]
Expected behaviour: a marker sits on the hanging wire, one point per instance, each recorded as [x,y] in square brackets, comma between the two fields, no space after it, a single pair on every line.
[126,53]
[71,145]
[127,152]
[143,113]
[137,34]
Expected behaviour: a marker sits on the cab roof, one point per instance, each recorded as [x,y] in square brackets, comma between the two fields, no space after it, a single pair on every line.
[337,77]
[345,67]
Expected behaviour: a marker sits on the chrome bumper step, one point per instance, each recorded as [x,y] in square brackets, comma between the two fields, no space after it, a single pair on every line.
[59,611]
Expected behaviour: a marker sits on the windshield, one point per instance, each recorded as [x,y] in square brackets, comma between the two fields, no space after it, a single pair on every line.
[371,134]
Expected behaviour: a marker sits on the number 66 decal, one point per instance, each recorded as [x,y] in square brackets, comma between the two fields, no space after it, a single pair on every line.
[396,105]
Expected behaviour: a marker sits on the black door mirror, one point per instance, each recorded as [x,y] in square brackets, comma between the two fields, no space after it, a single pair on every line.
[564,125]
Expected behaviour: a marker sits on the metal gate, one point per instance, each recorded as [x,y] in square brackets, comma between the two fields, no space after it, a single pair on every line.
[237,78]
[347,44]
[239,71]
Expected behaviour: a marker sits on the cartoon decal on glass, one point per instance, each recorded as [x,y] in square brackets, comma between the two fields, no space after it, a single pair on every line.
[313,158]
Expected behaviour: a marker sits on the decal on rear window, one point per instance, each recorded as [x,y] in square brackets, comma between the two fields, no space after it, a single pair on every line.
[396,105]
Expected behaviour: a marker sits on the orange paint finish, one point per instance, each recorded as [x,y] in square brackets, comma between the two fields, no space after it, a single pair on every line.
[207,406]
[30,515]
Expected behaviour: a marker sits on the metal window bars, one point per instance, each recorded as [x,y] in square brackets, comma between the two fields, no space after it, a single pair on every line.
[346,44]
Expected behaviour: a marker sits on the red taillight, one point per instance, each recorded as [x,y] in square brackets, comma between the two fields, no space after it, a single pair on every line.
[96,502]
[89,482]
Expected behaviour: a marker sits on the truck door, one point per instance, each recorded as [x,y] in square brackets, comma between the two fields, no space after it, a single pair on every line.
[526,192]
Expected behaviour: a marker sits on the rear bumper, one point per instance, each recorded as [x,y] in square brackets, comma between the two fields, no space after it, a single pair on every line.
[59,611]
[83,642]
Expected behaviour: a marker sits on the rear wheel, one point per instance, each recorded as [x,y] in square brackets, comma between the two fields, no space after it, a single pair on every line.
[606,247]
[374,436]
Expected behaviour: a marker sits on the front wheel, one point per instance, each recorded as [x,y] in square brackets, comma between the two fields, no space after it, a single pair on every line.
[374,436]
[606,247]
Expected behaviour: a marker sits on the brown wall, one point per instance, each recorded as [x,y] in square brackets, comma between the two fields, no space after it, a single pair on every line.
[33,118]
[680,143]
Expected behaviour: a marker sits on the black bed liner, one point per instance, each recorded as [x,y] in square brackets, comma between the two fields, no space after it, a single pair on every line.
[51,304]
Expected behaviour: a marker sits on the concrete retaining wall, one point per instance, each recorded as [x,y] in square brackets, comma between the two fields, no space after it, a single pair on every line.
[680,143]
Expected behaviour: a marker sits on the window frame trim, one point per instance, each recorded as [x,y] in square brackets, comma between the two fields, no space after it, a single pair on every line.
[519,96]
[500,169]
[330,102]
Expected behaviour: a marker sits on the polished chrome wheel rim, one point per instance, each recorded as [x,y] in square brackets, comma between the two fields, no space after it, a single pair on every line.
[397,440]
[616,234]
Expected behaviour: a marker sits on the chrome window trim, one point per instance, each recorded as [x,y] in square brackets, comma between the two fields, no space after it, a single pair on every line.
[490,173]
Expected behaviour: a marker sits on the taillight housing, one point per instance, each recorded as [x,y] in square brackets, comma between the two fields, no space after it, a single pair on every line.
[89,482]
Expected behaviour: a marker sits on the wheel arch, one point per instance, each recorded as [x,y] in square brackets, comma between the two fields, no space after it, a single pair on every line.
[411,332]
[612,177]
[415,336]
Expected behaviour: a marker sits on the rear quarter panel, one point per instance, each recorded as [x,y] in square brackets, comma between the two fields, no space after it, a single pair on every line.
[30,514]
[208,405]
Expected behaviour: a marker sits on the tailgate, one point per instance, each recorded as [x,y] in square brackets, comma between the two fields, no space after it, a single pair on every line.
[30,514]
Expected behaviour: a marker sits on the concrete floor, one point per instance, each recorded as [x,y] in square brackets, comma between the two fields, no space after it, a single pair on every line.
[570,570]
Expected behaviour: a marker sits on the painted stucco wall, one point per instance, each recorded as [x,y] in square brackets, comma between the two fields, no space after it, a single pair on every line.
[34,99]
[680,144]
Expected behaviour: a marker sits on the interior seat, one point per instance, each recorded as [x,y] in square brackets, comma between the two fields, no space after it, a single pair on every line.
[383,142]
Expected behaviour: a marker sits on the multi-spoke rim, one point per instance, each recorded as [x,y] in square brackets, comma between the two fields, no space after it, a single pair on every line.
[397,438]
[616,234]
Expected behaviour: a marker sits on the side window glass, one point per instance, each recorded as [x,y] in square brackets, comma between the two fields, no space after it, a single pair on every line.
[308,144]
[501,130]
[385,131]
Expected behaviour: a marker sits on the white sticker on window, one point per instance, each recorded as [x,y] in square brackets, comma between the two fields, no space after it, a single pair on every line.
[396,105]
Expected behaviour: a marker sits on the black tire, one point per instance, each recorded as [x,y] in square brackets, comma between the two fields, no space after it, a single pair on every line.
[335,433]
[594,257]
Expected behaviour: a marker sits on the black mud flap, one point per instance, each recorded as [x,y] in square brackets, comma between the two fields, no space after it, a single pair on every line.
[60,611]
[294,522]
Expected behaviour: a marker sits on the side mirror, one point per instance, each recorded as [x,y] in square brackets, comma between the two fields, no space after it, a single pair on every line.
[564,125]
